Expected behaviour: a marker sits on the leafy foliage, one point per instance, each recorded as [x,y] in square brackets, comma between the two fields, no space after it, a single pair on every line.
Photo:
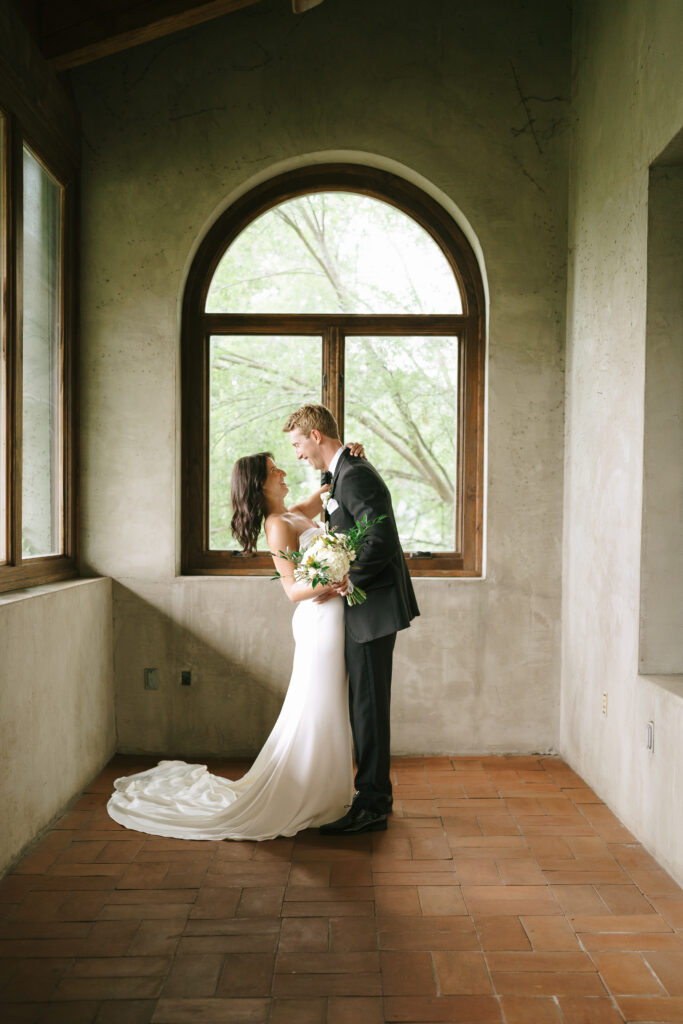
[339,252]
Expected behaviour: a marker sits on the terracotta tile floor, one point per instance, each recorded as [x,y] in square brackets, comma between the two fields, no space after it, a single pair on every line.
[503,890]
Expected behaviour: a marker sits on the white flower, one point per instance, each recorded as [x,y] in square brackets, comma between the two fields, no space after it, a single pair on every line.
[327,557]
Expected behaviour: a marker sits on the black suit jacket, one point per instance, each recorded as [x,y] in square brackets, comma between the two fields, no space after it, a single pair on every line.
[380,568]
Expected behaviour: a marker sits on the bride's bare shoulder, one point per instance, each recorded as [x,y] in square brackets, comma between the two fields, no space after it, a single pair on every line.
[279,526]
[283,529]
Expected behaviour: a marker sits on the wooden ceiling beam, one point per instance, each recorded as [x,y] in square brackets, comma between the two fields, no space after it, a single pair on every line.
[82,31]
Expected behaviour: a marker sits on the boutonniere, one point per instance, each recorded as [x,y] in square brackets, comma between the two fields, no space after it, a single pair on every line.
[326,497]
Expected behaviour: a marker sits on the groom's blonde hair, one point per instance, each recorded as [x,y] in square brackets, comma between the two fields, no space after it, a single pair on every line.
[312,417]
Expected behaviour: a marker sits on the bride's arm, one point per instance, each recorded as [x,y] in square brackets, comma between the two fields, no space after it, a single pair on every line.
[283,537]
[312,506]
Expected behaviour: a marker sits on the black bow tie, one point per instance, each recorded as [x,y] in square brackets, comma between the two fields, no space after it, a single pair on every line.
[326,477]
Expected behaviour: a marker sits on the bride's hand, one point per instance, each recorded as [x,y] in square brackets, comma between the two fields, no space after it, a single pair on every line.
[357,449]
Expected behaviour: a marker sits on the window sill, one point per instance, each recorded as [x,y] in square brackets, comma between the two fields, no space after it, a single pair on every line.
[36,572]
[45,589]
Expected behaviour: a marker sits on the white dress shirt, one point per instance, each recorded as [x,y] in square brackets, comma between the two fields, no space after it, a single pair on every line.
[335,459]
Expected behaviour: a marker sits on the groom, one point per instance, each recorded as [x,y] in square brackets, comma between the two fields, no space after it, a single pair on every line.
[380,569]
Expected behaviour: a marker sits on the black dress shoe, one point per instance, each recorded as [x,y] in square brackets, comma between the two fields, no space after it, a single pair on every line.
[356,820]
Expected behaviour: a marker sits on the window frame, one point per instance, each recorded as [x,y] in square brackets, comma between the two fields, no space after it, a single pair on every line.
[23,126]
[198,327]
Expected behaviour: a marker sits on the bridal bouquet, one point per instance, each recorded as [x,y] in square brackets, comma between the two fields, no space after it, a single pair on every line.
[329,558]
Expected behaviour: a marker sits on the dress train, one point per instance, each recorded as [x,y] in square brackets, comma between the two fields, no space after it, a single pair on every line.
[303,776]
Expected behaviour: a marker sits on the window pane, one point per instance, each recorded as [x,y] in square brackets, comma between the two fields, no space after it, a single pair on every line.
[3,354]
[41,433]
[402,403]
[334,252]
[255,382]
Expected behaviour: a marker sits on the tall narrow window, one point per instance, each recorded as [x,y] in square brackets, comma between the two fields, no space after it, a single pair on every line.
[37,471]
[346,286]
[41,370]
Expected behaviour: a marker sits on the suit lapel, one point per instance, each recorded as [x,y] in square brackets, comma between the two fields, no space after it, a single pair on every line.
[342,458]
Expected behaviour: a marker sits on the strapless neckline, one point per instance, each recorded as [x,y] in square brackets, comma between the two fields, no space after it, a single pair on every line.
[306,538]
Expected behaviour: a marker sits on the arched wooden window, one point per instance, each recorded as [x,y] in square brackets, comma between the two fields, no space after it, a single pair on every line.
[350,286]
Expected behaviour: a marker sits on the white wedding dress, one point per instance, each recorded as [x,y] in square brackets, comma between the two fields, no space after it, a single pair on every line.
[303,776]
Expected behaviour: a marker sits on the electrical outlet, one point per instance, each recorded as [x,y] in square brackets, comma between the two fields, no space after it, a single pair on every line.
[604,705]
[186,679]
[151,678]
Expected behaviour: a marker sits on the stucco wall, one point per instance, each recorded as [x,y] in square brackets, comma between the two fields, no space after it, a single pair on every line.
[628,94]
[56,702]
[175,128]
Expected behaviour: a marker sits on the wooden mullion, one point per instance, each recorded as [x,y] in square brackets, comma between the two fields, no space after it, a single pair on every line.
[340,378]
[333,370]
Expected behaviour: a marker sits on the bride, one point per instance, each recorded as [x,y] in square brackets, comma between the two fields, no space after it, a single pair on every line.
[303,776]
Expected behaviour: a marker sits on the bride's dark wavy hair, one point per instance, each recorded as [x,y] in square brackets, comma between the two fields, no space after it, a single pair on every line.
[248,504]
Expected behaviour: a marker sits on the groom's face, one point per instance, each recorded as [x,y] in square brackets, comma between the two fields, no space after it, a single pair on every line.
[308,447]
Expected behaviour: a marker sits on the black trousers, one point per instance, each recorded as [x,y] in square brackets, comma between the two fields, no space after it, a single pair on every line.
[369,668]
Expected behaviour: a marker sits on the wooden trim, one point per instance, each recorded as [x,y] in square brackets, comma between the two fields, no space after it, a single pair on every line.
[348,323]
[36,571]
[70,383]
[15,167]
[205,363]
[356,178]
[70,43]
[473,448]
[57,129]
[469,327]
[219,563]
[193,458]
[7,328]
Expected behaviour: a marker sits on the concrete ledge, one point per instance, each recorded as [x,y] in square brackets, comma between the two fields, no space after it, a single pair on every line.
[12,596]
[673,683]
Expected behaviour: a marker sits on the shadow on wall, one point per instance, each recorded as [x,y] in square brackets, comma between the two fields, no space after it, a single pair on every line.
[237,684]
